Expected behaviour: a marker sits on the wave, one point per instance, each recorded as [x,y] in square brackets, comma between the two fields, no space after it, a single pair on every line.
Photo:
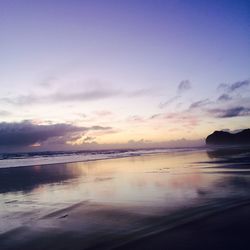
[8,160]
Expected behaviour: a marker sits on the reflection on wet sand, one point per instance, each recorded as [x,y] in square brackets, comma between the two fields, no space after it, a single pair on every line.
[228,152]
[91,204]
[26,179]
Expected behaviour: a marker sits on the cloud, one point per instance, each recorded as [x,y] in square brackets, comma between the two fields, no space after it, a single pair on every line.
[238,85]
[199,104]
[184,86]
[183,118]
[171,100]
[89,139]
[139,92]
[4,113]
[224,97]
[230,112]
[99,128]
[155,116]
[135,118]
[26,133]
[61,97]
[92,95]
[47,81]
[143,143]
[103,113]
[234,86]
[138,142]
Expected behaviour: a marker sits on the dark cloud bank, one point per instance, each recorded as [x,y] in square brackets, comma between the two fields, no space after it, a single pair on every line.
[27,133]
[19,137]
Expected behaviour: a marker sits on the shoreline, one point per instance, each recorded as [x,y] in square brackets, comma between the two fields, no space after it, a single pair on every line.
[134,154]
[212,151]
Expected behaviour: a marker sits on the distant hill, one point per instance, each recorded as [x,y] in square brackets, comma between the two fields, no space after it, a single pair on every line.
[226,138]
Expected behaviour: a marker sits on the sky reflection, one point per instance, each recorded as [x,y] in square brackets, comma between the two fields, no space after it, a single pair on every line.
[135,187]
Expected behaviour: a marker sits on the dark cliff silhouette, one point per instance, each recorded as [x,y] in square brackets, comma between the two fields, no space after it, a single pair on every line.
[226,138]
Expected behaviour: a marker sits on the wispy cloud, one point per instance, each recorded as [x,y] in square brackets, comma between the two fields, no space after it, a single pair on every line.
[234,86]
[138,92]
[199,104]
[230,112]
[184,118]
[184,86]
[224,97]
[168,102]
[47,81]
[61,97]
[233,102]
[85,96]
[4,113]
[89,139]
[155,116]
[103,113]
[136,118]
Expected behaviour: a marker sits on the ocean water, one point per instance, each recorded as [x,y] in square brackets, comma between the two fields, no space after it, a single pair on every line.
[115,196]
[8,160]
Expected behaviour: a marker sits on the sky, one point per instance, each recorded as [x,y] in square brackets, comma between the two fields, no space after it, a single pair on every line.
[117,74]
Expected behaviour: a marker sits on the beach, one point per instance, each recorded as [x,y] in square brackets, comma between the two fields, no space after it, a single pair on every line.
[225,230]
[124,125]
[183,199]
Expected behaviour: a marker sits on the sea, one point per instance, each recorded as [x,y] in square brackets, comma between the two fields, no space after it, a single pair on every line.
[8,160]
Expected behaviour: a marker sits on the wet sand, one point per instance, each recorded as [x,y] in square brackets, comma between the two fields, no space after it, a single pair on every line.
[184,200]
[223,227]
[224,230]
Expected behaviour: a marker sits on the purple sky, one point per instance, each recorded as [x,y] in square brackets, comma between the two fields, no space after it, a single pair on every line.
[144,72]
